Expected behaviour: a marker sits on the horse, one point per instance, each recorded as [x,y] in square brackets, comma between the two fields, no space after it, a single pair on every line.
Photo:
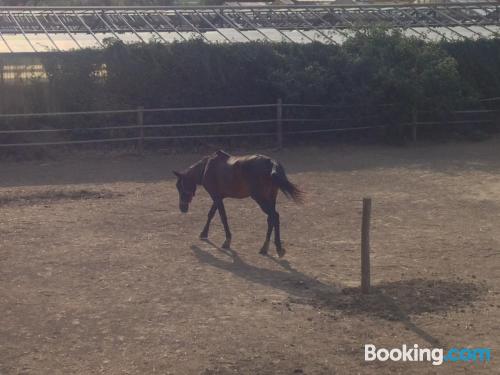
[227,176]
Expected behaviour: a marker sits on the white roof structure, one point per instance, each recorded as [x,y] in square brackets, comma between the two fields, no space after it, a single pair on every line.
[42,29]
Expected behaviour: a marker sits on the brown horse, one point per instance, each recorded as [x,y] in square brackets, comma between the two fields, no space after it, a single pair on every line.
[226,176]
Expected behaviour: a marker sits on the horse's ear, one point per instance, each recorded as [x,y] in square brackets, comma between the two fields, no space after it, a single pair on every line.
[177,174]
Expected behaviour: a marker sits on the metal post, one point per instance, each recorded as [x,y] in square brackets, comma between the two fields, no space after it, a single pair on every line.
[365,246]
[279,123]
[140,123]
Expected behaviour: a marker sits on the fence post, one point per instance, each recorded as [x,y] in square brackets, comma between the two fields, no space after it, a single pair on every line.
[365,246]
[2,87]
[414,121]
[140,123]
[279,123]
[1,72]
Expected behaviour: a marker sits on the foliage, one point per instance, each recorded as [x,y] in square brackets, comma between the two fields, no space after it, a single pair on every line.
[372,68]
[74,80]
[391,68]
[478,62]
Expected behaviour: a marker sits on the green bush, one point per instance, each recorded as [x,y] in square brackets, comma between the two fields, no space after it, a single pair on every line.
[478,65]
[371,69]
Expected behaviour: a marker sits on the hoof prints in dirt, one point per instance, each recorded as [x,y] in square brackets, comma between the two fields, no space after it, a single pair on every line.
[55,196]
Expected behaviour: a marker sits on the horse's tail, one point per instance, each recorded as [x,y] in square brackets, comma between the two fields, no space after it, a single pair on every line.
[290,190]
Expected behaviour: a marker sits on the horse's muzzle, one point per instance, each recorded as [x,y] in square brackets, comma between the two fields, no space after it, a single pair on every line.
[183,207]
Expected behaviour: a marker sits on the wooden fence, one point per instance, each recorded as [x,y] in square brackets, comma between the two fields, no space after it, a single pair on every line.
[276,124]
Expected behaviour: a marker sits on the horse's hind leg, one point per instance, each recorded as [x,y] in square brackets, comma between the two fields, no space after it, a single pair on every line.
[277,239]
[276,221]
[270,226]
[223,217]
[268,210]
[211,213]
[273,221]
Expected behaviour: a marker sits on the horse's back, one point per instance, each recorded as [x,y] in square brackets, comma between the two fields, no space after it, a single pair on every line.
[237,176]
[254,164]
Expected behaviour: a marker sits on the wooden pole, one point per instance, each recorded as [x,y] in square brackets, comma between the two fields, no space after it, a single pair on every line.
[2,86]
[140,122]
[1,72]
[414,120]
[279,123]
[365,246]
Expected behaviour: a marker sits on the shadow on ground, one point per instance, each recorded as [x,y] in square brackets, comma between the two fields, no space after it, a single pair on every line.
[451,158]
[52,196]
[395,301]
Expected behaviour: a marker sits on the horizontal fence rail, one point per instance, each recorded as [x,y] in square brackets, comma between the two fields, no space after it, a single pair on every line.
[112,112]
[273,124]
[153,126]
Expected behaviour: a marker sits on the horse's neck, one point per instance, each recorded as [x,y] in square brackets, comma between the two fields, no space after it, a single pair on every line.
[196,171]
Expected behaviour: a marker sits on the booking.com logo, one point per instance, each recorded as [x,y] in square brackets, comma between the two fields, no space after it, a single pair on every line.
[436,356]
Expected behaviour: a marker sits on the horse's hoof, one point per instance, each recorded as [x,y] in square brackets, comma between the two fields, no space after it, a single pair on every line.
[226,245]
[264,249]
[281,252]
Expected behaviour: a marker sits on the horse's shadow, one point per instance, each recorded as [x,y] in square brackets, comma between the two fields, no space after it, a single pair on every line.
[396,301]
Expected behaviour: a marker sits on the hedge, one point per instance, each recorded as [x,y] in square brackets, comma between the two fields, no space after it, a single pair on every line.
[373,68]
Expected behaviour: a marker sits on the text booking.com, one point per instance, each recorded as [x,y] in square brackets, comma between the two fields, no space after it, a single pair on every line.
[436,356]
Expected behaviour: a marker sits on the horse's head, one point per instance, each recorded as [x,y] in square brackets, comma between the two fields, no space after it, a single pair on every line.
[187,188]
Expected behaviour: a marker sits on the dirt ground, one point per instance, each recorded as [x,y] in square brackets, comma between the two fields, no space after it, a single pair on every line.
[101,273]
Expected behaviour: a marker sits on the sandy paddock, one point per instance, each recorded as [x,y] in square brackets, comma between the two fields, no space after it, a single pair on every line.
[101,273]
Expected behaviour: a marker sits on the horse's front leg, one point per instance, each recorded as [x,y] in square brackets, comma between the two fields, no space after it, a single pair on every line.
[211,213]
[223,217]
